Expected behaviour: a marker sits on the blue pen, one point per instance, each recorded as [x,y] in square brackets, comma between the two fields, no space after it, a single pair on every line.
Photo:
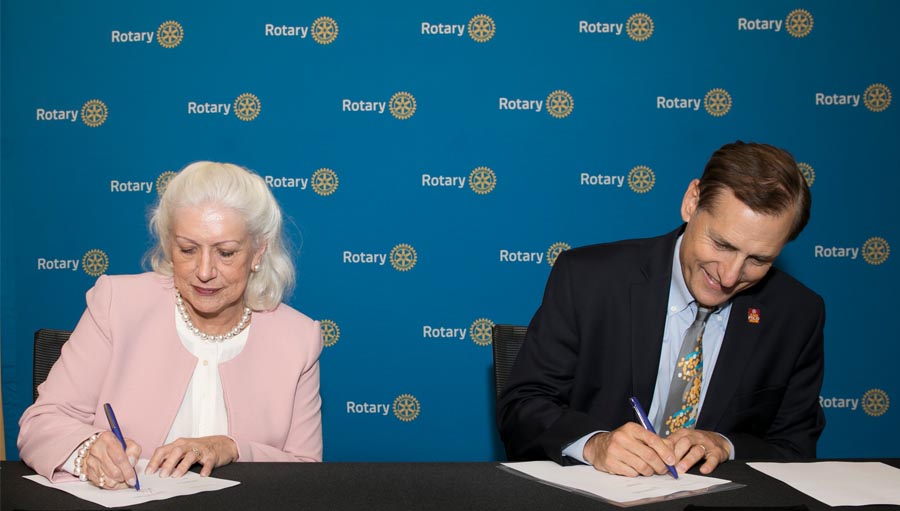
[114,426]
[649,427]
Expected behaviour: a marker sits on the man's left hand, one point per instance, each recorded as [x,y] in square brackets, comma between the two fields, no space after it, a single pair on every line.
[692,446]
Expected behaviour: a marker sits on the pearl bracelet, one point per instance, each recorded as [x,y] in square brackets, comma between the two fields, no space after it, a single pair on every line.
[82,452]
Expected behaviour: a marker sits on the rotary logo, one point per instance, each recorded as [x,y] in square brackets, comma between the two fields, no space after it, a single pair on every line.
[641,179]
[481,28]
[94,113]
[247,107]
[324,30]
[330,332]
[402,105]
[875,402]
[481,331]
[799,23]
[162,182]
[324,182]
[639,27]
[482,180]
[876,250]
[717,102]
[403,257]
[808,173]
[877,97]
[95,262]
[560,104]
[406,407]
[554,251]
[169,34]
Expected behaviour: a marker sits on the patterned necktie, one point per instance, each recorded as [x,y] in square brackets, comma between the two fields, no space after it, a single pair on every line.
[684,393]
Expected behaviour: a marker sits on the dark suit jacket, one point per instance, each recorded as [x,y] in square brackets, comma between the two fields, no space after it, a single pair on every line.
[596,341]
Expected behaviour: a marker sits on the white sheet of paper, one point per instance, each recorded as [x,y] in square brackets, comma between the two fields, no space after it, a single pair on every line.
[839,483]
[611,487]
[153,487]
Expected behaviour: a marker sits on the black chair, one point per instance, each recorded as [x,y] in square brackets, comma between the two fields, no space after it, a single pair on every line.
[47,346]
[506,341]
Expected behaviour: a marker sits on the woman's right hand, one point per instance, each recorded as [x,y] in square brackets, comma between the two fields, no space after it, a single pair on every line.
[110,467]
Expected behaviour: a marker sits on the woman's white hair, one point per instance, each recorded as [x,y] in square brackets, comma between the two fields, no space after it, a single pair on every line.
[228,185]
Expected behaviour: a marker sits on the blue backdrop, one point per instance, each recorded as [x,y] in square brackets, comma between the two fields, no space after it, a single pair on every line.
[433,158]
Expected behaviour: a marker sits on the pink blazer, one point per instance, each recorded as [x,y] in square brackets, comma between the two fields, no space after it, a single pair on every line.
[125,351]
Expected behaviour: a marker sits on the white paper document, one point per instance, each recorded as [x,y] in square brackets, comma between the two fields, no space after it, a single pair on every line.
[153,487]
[839,483]
[625,491]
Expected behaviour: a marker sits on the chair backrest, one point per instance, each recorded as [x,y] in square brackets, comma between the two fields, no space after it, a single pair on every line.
[47,346]
[506,341]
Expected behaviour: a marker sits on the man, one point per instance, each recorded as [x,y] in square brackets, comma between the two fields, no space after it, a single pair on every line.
[615,317]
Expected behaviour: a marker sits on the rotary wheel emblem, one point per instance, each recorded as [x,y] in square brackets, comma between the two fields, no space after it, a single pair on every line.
[402,105]
[94,113]
[554,251]
[717,102]
[799,23]
[809,174]
[330,332]
[162,182]
[95,262]
[481,331]
[406,407]
[481,28]
[169,34]
[560,104]
[324,30]
[877,97]
[403,257]
[482,180]
[324,182]
[876,250]
[875,402]
[639,27]
[641,179]
[247,107]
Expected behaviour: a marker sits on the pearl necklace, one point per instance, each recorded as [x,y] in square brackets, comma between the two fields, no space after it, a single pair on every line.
[245,320]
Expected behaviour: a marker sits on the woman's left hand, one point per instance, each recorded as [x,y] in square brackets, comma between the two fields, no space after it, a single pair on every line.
[176,458]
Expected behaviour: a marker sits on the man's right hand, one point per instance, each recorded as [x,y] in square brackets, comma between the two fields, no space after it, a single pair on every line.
[629,450]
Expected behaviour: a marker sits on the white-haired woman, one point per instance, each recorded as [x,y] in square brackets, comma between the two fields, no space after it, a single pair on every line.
[200,359]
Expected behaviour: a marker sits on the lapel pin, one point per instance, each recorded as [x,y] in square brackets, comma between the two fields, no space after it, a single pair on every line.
[753,315]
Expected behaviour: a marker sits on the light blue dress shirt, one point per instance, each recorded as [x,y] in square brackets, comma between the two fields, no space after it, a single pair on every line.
[680,313]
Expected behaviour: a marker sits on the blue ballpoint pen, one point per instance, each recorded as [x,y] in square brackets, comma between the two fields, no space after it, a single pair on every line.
[649,427]
[114,426]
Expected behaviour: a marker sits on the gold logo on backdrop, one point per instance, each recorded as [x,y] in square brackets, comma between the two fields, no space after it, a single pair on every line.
[799,23]
[482,180]
[324,181]
[94,113]
[875,402]
[554,251]
[641,179]
[95,262]
[480,331]
[481,28]
[560,104]
[402,105]
[330,332]
[169,34]
[403,257]
[876,250]
[808,173]
[406,407]
[324,30]
[162,182]
[247,107]
[639,27]
[877,97]
[717,102]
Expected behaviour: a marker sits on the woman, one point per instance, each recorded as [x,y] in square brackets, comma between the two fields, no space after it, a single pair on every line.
[200,360]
